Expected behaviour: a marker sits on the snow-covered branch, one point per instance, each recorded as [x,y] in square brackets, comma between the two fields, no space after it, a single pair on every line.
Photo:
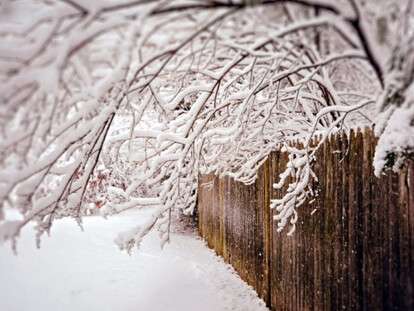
[122,104]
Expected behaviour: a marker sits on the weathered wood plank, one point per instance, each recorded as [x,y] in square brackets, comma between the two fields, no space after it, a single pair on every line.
[356,250]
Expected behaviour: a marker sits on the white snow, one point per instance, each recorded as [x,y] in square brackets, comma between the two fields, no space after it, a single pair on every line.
[397,138]
[77,270]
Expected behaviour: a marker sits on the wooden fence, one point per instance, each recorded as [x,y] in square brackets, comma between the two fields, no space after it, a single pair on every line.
[355,252]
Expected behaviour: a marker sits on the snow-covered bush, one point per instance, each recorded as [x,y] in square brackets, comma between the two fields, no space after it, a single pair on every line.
[191,87]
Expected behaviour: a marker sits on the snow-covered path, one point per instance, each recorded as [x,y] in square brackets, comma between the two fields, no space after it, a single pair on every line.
[77,270]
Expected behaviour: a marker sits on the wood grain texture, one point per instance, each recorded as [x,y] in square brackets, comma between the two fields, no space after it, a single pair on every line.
[356,252]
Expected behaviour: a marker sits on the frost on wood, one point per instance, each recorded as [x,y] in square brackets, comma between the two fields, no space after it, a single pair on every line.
[119,105]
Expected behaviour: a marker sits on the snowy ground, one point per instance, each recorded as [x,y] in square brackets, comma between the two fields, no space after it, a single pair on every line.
[77,270]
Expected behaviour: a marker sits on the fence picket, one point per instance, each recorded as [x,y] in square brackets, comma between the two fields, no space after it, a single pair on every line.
[354,252]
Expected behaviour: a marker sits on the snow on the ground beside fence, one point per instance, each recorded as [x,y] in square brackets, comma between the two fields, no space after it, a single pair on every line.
[77,270]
